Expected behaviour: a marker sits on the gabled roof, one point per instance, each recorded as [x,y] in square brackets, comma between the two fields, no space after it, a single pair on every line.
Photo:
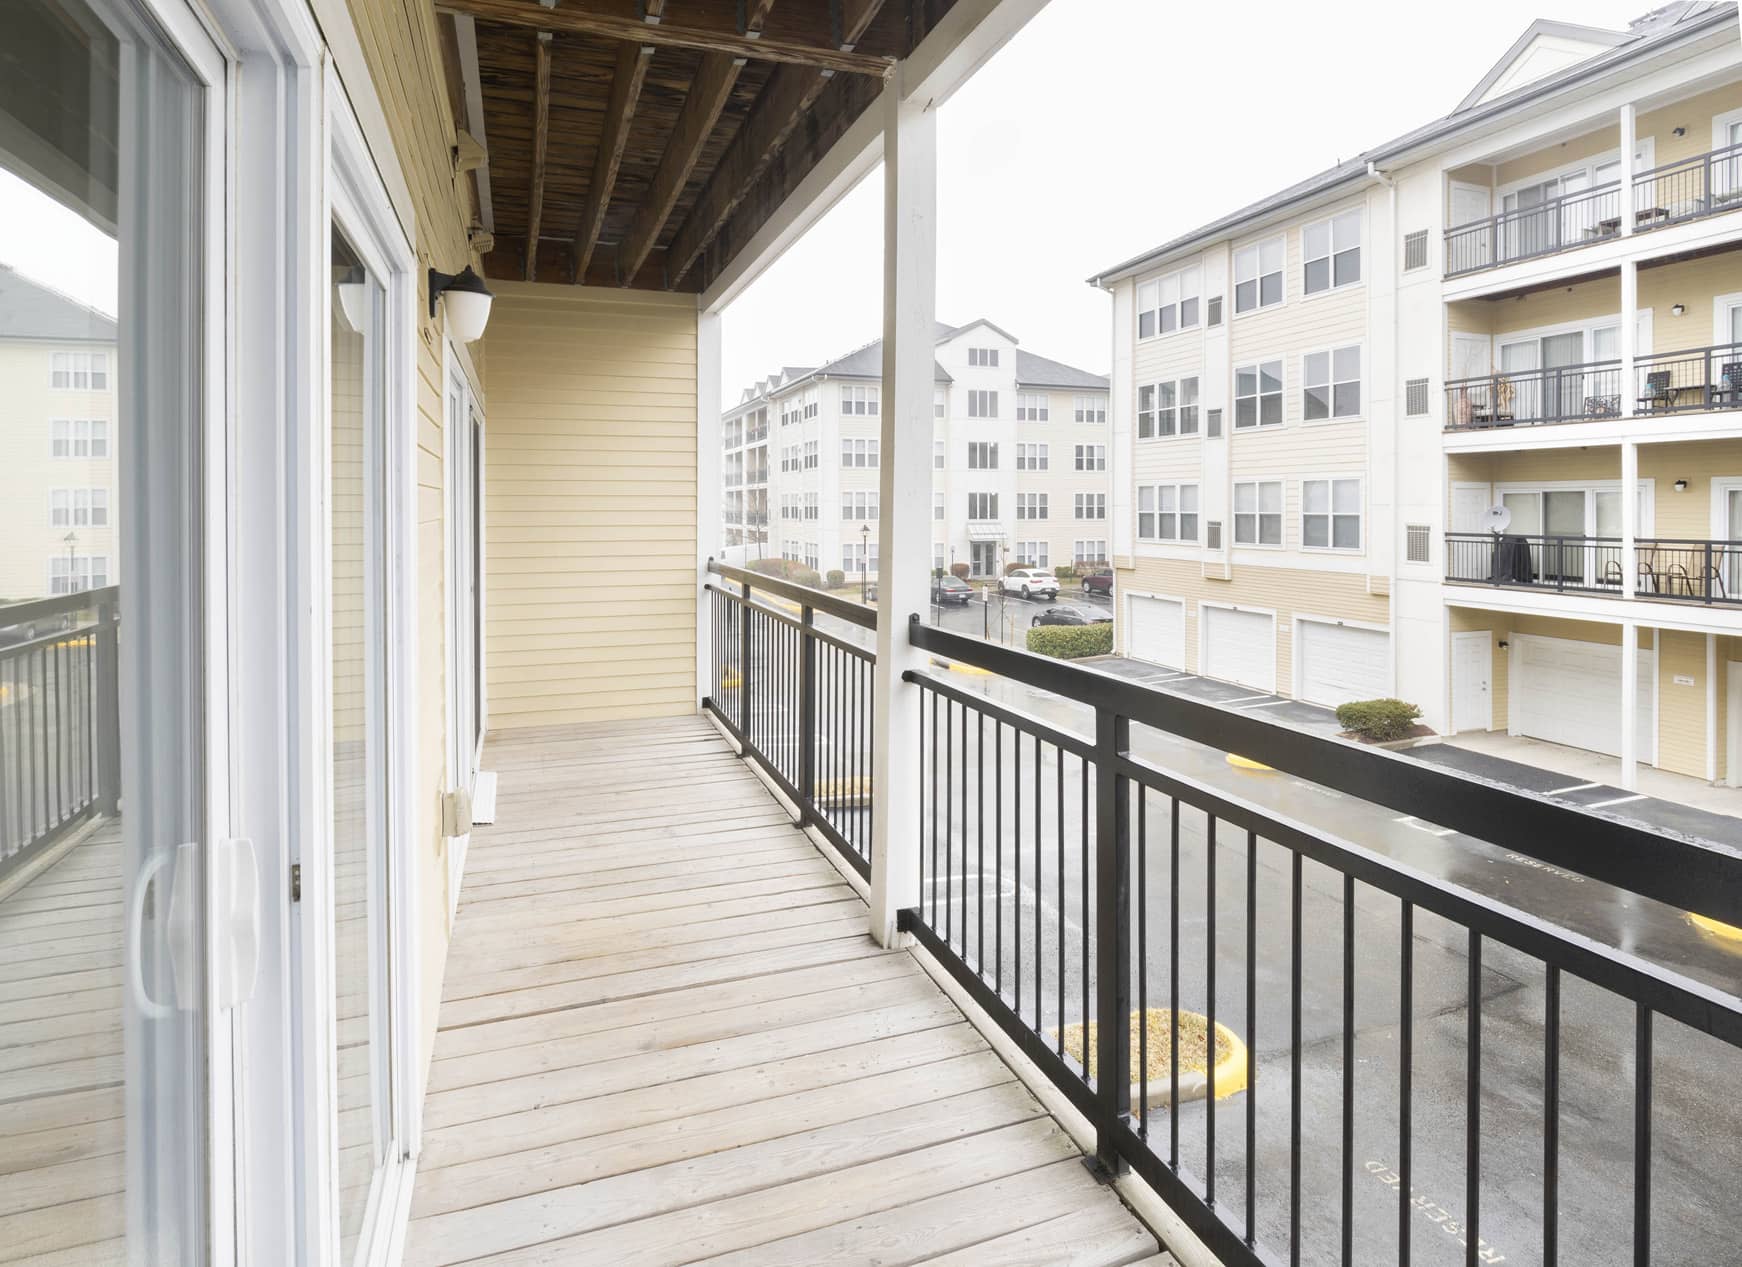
[867,362]
[1544,49]
[31,310]
[1040,371]
[978,321]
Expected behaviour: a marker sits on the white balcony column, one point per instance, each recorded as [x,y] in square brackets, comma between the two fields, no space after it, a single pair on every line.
[1629,779]
[710,522]
[1627,146]
[1629,517]
[904,531]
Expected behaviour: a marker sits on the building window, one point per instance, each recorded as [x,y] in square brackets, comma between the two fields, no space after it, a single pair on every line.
[861,506]
[937,455]
[1089,552]
[859,402]
[791,411]
[1090,408]
[1167,512]
[1258,275]
[1032,554]
[812,559]
[1415,250]
[983,356]
[1032,407]
[74,574]
[858,556]
[859,453]
[811,454]
[1213,423]
[79,438]
[1146,411]
[1168,409]
[1415,398]
[810,402]
[78,508]
[1333,384]
[939,405]
[1091,505]
[1331,253]
[1031,506]
[79,371]
[937,556]
[937,505]
[982,404]
[1188,406]
[982,505]
[1091,457]
[982,456]
[1031,457]
[1330,517]
[811,509]
[1258,395]
[1258,513]
[1169,303]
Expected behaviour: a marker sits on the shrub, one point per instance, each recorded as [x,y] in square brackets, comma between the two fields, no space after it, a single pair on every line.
[1378,720]
[961,569]
[936,572]
[788,570]
[1016,566]
[1070,642]
[1064,571]
[836,578]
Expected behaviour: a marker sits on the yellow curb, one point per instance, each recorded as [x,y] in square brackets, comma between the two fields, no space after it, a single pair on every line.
[844,793]
[1231,1070]
[973,670]
[1245,763]
[1713,928]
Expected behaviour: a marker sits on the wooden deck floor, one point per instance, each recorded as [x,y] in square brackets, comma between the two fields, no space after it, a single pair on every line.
[666,1038]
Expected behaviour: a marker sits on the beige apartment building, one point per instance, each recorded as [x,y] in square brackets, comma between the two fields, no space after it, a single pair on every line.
[1460,420]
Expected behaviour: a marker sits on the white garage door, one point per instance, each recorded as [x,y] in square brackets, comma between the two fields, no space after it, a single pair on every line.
[1240,647]
[1570,692]
[1340,663]
[1158,631]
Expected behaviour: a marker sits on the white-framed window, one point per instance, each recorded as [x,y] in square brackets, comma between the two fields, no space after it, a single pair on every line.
[1168,409]
[1031,506]
[860,505]
[982,404]
[791,410]
[78,508]
[982,455]
[1331,252]
[1168,303]
[1258,513]
[1167,512]
[79,371]
[812,559]
[1258,275]
[859,401]
[938,453]
[1032,457]
[811,506]
[1090,551]
[78,438]
[1091,457]
[937,505]
[982,505]
[74,574]
[1032,554]
[1032,407]
[983,356]
[940,408]
[860,453]
[1330,514]
[1090,408]
[937,556]
[1331,383]
[1091,505]
[1258,395]
[811,400]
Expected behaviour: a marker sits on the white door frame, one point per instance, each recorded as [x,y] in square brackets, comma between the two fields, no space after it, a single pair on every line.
[1486,636]
[458,457]
[1733,725]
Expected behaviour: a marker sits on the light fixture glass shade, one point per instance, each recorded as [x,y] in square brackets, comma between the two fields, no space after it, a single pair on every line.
[353,298]
[468,312]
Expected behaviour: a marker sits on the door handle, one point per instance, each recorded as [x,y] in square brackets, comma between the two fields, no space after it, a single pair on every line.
[235,891]
[179,939]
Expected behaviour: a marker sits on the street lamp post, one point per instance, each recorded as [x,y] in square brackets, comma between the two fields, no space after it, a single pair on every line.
[864,560]
[72,544]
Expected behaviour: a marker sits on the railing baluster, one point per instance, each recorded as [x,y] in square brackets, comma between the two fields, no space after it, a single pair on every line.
[980,844]
[1405,1075]
[1086,925]
[1112,934]
[949,809]
[1039,887]
[1294,1113]
[1251,1037]
[1642,1137]
[1059,805]
[1551,1118]
[998,856]
[1210,1010]
[1348,1070]
[1473,1101]
[1173,992]
[1142,896]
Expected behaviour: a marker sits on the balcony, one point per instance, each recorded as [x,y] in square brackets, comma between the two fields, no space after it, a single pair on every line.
[1676,193]
[1703,572]
[1693,381]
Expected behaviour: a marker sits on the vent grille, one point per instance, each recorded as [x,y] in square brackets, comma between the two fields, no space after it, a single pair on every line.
[1415,250]
[1214,310]
[1213,424]
[1415,543]
[1213,534]
[1415,397]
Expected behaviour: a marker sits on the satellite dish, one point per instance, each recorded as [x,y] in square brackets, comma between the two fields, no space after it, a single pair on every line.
[1496,518]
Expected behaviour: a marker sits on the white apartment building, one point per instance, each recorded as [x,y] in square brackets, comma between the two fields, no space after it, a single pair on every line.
[57,442]
[1021,466]
[1320,399]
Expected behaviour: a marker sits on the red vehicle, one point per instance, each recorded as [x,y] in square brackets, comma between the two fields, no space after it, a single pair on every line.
[1099,581]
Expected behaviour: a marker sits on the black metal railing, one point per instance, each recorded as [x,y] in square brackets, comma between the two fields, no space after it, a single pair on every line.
[1564,393]
[1106,905]
[1691,571]
[1558,224]
[1688,189]
[798,698]
[59,719]
[1696,380]
[1537,560]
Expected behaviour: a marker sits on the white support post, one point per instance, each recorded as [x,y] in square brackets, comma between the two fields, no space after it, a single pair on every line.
[1629,707]
[1628,142]
[1712,709]
[1629,517]
[905,486]
[708,496]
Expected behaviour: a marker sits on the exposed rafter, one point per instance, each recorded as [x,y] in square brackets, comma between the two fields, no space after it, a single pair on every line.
[540,146]
[750,44]
[631,73]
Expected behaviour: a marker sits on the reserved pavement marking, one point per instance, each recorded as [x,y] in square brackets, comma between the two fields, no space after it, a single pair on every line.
[1434,1212]
[1410,820]
[1619,800]
[1572,787]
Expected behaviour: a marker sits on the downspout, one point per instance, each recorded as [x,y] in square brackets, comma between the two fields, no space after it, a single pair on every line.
[1390,184]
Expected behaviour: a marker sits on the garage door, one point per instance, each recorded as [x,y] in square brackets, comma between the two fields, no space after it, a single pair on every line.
[1339,663]
[1158,631]
[1570,692]
[1240,647]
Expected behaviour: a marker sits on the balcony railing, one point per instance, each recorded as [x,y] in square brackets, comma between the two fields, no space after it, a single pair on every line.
[1675,193]
[1564,393]
[1698,380]
[1687,571]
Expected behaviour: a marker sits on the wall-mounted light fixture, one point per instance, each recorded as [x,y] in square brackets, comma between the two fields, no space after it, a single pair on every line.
[1681,486]
[353,292]
[1680,131]
[468,302]
[1677,309]
[1504,644]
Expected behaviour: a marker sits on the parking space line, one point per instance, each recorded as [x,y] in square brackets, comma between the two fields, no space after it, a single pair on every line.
[1268,703]
[1619,800]
[1574,787]
[1229,703]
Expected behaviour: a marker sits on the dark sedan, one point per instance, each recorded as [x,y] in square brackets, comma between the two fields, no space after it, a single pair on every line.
[1072,616]
[951,589]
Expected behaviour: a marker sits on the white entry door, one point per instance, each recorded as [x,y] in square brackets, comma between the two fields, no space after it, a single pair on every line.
[1343,663]
[1157,630]
[1569,692]
[1239,646]
[1472,681]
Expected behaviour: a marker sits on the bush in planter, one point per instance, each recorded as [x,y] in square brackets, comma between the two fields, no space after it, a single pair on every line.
[837,578]
[1064,571]
[1379,720]
[961,570]
[1070,642]
[788,570]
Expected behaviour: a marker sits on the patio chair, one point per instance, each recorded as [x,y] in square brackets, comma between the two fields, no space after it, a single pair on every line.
[1728,393]
[1602,406]
[1657,394]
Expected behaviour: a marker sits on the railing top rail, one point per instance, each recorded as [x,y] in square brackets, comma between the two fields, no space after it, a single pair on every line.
[1516,376]
[60,605]
[793,622]
[1546,206]
[1687,541]
[1692,160]
[1683,353]
[819,600]
[1533,536]
[1686,873]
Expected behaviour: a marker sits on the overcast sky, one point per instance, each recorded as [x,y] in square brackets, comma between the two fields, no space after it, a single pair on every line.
[1109,126]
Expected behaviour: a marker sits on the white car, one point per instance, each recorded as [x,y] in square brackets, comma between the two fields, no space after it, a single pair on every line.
[1031,583]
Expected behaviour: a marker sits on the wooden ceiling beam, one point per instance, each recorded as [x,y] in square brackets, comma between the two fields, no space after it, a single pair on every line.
[695,122]
[749,45]
[790,92]
[626,82]
[540,145]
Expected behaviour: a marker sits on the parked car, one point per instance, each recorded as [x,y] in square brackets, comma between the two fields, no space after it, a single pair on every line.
[1072,616]
[1100,581]
[951,589]
[1031,583]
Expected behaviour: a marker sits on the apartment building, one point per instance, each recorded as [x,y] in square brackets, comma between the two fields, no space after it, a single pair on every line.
[1460,420]
[57,442]
[1021,462]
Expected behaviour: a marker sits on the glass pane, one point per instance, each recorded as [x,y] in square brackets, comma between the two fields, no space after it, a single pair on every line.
[1564,513]
[1736,514]
[1526,511]
[104,798]
[1318,368]
[360,962]
[1316,497]
[1315,531]
[1270,497]
[1346,532]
